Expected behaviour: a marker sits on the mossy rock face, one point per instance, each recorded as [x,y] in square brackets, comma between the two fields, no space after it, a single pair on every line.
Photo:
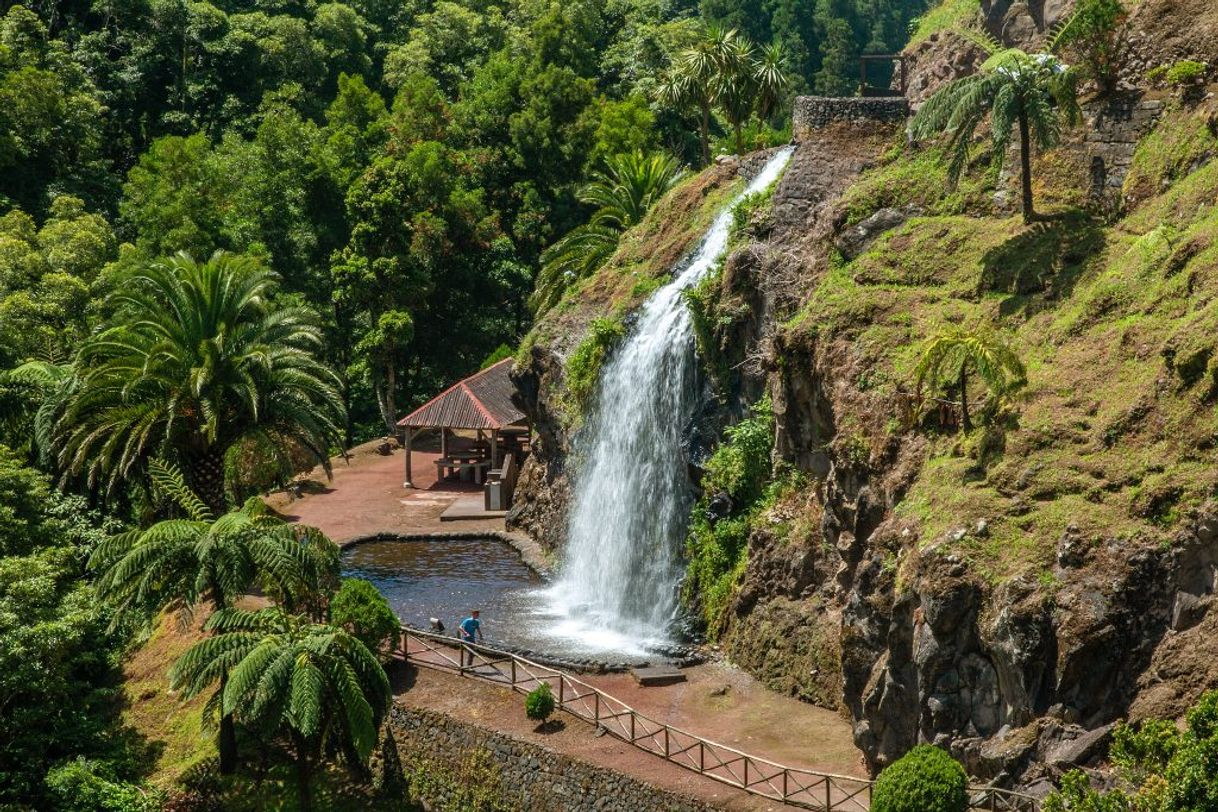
[926,779]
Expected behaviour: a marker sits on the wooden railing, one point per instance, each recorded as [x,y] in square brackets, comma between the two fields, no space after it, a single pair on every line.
[807,789]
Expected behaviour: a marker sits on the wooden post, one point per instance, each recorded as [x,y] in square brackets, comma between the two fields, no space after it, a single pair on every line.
[409,483]
[828,795]
[443,442]
[494,448]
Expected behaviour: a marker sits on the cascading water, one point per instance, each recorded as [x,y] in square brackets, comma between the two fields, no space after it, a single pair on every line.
[617,588]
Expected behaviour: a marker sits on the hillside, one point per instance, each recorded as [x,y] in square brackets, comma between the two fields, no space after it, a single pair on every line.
[1010,591]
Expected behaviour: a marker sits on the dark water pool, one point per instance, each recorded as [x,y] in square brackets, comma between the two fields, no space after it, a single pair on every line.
[446,578]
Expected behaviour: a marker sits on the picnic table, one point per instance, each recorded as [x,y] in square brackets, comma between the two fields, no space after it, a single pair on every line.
[460,463]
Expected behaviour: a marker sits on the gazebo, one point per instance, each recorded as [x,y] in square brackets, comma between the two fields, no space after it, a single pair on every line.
[480,403]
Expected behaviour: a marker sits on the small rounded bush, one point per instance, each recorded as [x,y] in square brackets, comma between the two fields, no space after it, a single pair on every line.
[926,779]
[359,607]
[539,703]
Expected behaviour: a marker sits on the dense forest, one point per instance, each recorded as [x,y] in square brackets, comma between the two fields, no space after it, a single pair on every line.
[236,238]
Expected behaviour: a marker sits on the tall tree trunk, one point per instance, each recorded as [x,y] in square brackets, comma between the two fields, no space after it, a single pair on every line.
[228,736]
[965,423]
[1025,166]
[704,133]
[739,138]
[206,472]
[387,396]
[304,774]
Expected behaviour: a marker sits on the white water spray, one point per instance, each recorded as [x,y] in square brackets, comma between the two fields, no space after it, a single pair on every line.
[617,588]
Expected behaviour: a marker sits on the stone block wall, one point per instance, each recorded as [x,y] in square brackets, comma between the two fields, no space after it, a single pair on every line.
[816,112]
[453,765]
[1114,127]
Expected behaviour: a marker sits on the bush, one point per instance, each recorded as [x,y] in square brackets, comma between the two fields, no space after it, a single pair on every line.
[1179,74]
[584,366]
[926,779]
[359,607]
[89,786]
[1096,33]
[539,703]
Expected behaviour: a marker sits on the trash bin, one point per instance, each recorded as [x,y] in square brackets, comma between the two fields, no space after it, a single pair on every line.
[494,495]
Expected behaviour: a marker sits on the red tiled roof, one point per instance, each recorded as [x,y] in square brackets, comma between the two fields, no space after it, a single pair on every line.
[481,401]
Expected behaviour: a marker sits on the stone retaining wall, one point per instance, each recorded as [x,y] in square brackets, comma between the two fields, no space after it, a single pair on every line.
[452,765]
[816,112]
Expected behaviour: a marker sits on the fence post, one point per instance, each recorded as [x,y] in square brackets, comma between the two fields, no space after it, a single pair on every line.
[596,707]
[746,772]
[785,774]
[665,741]
[513,672]
[828,794]
[701,756]
[561,681]
[632,727]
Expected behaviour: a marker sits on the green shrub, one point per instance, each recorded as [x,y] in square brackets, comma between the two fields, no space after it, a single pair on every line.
[1179,74]
[584,366]
[539,703]
[926,779]
[1096,33]
[361,608]
[89,786]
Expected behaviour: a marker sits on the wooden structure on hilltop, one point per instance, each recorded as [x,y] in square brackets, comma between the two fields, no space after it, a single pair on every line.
[482,403]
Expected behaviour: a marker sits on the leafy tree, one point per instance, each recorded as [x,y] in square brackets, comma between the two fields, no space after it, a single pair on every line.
[196,357]
[749,81]
[1098,33]
[926,779]
[623,191]
[951,356]
[58,655]
[315,683]
[1034,94]
[205,559]
[362,610]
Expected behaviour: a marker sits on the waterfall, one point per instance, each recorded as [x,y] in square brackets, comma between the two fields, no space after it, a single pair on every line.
[617,588]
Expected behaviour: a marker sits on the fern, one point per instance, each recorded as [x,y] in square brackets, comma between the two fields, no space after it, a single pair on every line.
[167,479]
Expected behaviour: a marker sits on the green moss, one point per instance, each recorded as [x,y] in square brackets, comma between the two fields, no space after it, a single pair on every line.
[584,365]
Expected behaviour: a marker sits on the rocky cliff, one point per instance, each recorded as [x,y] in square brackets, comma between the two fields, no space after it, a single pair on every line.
[1008,592]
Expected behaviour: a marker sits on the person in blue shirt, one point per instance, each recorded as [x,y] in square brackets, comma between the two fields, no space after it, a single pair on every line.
[469,628]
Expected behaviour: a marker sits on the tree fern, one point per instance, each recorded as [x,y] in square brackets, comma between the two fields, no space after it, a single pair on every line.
[949,357]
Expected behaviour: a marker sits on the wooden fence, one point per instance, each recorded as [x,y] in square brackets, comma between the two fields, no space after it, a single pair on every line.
[807,789]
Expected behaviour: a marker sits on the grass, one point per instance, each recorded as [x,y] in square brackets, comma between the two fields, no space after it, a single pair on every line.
[1117,324]
[945,16]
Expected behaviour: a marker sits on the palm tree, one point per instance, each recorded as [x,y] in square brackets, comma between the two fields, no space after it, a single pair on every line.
[196,357]
[1035,93]
[749,81]
[623,191]
[314,682]
[202,559]
[691,82]
[949,357]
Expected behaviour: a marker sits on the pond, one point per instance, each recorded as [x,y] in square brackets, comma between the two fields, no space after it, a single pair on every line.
[445,578]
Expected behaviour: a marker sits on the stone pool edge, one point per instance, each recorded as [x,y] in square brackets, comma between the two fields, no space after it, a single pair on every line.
[530,552]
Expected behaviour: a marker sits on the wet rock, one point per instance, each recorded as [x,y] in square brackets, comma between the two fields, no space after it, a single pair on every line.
[854,240]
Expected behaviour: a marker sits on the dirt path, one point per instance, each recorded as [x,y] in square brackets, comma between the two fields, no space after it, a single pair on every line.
[366,496]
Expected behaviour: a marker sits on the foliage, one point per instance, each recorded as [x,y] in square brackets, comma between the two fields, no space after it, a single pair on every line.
[584,364]
[87,786]
[202,558]
[1033,93]
[196,357]
[1178,74]
[735,488]
[58,655]
[952,355]
[623,191]
[926,779]
[727,72]
[362,610]
[1096,31]
[313,682]
[539,703]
